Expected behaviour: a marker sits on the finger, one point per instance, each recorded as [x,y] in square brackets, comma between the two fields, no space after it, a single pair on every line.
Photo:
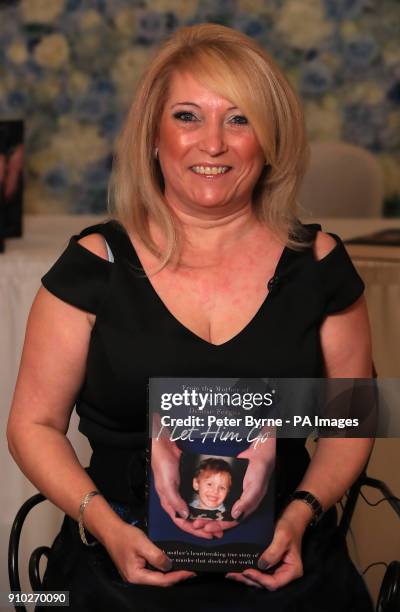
[184,524]
[154,555]
[243,579]
[187,526]
[278,579]
[150,577]
[275,551]
[176,503]
[169,509]
[218,526]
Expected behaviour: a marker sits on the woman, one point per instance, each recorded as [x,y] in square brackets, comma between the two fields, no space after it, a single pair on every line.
[207,171]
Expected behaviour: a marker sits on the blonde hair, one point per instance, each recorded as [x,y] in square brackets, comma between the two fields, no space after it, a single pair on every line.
[235,67]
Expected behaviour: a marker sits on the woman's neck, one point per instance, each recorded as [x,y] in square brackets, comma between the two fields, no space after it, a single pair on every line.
[214,235]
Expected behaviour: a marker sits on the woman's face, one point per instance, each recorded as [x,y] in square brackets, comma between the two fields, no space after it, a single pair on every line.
[209,154]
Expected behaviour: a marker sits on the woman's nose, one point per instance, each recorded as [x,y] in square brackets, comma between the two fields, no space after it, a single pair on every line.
[213,140]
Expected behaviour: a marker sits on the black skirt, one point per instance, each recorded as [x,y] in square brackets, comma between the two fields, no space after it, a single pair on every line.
[330,582]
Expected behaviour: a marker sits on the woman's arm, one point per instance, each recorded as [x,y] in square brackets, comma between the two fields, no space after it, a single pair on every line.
[50,376]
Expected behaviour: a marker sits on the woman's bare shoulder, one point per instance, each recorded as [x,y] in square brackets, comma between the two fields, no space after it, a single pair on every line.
[324,243]
[96,244]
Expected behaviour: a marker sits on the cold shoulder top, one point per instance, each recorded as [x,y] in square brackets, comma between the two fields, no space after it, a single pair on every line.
[135,336]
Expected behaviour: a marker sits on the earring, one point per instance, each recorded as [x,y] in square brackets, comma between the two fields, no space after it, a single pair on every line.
[156,153]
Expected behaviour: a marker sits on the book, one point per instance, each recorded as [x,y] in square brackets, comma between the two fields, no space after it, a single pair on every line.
[195,454]
[383,244]
[11,177]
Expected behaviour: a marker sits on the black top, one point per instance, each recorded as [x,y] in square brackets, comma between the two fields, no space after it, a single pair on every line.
[135,336]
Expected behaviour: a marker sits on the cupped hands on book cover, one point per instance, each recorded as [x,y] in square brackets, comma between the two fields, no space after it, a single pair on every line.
[210,497]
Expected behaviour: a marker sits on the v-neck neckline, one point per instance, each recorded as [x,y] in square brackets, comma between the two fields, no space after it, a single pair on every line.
[278,269]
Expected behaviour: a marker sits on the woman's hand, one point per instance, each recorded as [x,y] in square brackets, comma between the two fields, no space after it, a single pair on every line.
[283,552]
[165,464]
[130,549]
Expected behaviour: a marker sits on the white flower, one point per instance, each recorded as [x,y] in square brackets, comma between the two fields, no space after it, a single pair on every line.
[77,144]
[48,89]
[390,167]
[182,9]
[40,162]
[323,120]
[127,70]
[303,24]
[89,19]
[79,82]
[41,11]
[368,92]
[391,53]
[17,52]
[258,7]
[52,51]
[125,21]
[349,30]
[38,200]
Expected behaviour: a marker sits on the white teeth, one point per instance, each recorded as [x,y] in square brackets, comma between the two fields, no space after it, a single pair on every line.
[210,170]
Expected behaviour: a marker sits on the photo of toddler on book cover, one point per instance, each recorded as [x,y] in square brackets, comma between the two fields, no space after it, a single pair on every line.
[212,482]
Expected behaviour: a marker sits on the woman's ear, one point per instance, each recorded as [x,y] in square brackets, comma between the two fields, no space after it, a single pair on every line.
[195,484]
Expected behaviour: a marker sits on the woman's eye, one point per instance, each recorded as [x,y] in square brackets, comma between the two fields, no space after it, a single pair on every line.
[185,116]
[239,120]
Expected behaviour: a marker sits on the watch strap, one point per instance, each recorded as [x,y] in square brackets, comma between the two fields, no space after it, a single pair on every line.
[311,501]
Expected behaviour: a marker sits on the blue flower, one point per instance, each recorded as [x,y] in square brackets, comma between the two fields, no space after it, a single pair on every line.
[362,124]
[17,101]
[393,93]
[360,52]
[102,86]
[153,26]
[56,180]
[63,103]
[222,12]
[110,124]
[250,25]
[88,107]
[72,5]
[89,201]
[97,174]
[344,9]
[316,78]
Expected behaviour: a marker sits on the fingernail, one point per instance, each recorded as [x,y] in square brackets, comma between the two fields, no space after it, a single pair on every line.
[262,564]
[167,565]
[236,513]
[253,582]
[184,514]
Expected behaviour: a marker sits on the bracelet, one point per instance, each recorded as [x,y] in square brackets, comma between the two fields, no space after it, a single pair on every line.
[83,505]
[311,501]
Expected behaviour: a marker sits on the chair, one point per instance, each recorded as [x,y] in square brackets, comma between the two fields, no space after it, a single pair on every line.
[389,596]
[13,550]
[342,180]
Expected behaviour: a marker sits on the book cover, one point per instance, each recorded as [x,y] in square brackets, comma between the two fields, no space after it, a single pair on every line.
[199,461]
[380,245]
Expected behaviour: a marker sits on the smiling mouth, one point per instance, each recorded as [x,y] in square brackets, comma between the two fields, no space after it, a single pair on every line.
[210,171]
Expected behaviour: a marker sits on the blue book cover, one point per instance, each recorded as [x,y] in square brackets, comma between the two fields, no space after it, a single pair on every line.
[200,469]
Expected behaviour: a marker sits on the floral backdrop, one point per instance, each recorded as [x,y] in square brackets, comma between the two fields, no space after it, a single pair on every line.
[69,67]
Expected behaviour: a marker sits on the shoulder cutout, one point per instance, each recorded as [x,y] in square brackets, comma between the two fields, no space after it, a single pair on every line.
[323,245]
[81,274]
[96,244]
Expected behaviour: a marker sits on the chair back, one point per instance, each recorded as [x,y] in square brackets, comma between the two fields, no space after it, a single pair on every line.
[13,551]
[342,180]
